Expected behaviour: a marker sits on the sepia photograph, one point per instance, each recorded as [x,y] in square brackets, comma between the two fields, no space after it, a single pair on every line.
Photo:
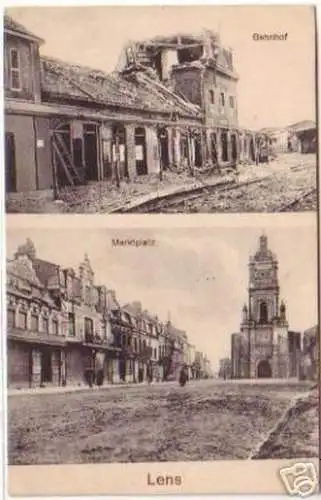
[177,353]
[162,345]
[190,109]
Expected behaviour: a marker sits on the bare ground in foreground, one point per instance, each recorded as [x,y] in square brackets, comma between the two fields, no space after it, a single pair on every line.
[202,421]
[300,424]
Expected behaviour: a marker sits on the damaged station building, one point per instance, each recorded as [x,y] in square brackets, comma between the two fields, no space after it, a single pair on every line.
[170,104]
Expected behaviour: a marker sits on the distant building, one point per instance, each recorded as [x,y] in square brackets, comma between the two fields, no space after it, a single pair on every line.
[264,348]
[303,136]
[225,368]
[279,139]
[295,353]
[310,355]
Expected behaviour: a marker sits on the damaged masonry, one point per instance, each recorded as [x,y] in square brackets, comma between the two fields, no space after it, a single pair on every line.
[67,125]
[159,133]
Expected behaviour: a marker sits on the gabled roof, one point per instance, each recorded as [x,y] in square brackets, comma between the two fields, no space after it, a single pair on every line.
[175,332]
[132,308]
[112,302]
[23,269]
[136,90]
[10,25]
[45,270]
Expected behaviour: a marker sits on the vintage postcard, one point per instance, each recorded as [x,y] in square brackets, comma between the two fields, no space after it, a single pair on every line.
[160,109]
[150,359]
[174,354]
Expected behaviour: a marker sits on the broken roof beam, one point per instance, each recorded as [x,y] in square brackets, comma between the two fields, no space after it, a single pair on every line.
[166,45]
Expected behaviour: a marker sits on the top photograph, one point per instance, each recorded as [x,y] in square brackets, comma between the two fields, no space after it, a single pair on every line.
[150,109]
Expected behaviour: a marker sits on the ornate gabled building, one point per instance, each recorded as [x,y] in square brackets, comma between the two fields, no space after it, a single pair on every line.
[64,329]
[262,347]
[58,323]
[34,327]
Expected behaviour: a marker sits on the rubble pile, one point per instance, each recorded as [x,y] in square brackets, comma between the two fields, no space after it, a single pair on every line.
[270,194]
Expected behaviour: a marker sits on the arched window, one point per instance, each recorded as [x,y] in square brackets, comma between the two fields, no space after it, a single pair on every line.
[212,96]
[263,312]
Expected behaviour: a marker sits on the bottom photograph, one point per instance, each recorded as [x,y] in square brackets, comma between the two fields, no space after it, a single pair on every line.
[162,345]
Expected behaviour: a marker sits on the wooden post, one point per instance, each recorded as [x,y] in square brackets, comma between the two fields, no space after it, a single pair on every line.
[160,158]
[189,147]
[117,154]
[159,149]
[54,170]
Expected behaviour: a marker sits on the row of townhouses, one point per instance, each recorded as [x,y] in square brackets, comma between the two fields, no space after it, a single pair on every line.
[171,104]
[63,329]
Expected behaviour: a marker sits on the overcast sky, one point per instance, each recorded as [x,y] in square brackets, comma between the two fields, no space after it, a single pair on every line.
[277,78]
[199,275]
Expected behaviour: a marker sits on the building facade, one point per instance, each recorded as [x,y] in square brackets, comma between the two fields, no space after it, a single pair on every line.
[225,369]
[67,125]
[65,329]
[201,69]
[264,347]
[310,367]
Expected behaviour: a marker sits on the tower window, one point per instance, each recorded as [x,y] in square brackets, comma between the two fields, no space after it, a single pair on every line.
[222,99]
[263,312]
[231,99]
[212,96]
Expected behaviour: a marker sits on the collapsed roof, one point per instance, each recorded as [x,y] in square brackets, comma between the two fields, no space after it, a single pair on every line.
[136,91]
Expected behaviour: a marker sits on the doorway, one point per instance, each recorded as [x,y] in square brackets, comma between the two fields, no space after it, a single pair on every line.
[90,151]
[234,147]
[163,144]
[264,369]
[198,151]
[214,148]
[119,152]
[10,163]
[122,369]
[46,366]
[224,143]
[252,149]
[140,151]
[61,146]
[140,374]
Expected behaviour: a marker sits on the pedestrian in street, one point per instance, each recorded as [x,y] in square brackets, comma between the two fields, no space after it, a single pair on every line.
[183,376]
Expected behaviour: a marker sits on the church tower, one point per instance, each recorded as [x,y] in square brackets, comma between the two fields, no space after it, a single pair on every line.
[264,326]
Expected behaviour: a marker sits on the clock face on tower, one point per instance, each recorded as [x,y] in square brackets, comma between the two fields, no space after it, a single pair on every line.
[263,274]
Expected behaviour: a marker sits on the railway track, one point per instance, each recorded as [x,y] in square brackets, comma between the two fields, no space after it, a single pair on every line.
[172,200]
[293,205]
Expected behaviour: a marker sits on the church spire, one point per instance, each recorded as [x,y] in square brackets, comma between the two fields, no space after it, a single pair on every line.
[263,243]
[245,313]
